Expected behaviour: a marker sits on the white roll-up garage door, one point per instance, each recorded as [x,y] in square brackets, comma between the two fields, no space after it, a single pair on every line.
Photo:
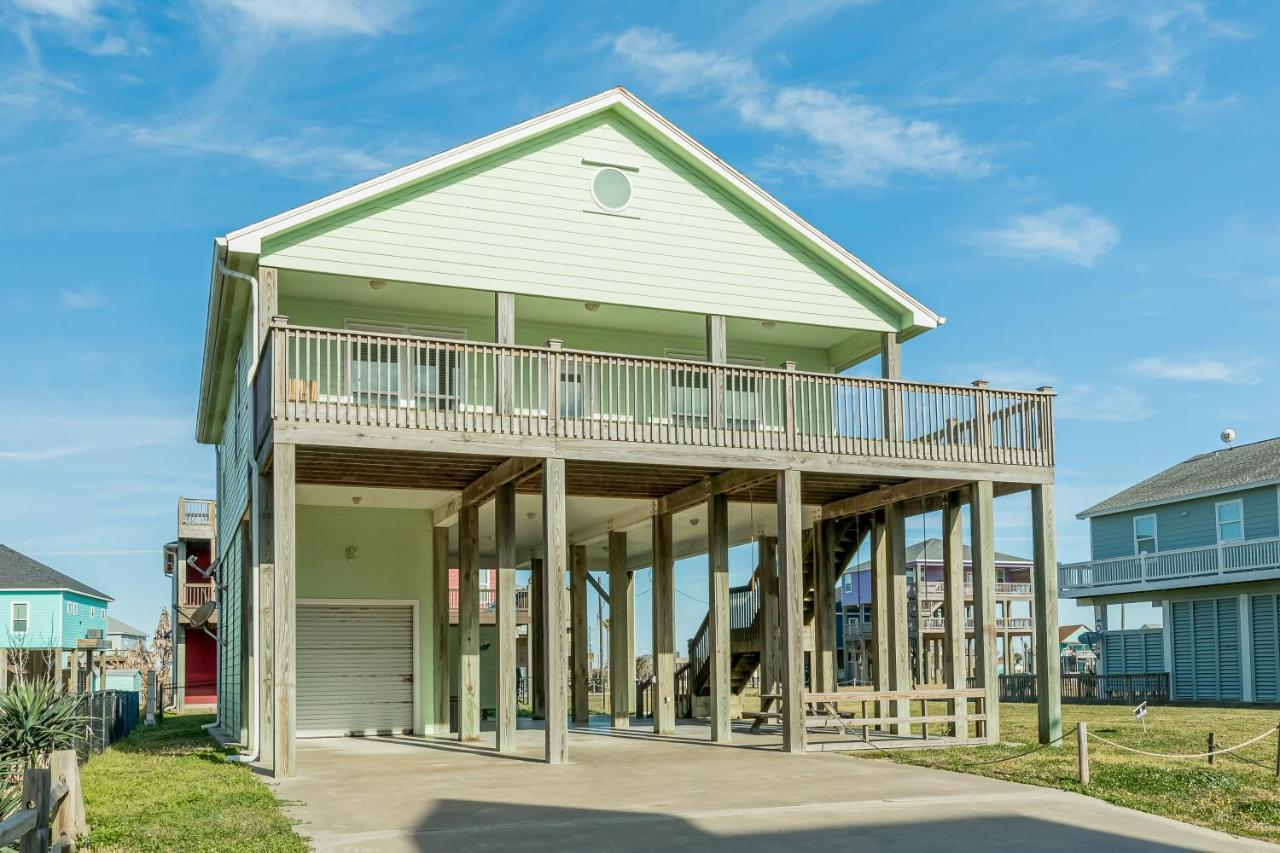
[355,669]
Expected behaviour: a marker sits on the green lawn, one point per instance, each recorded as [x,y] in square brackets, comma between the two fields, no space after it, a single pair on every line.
[169,787]
[1233,795]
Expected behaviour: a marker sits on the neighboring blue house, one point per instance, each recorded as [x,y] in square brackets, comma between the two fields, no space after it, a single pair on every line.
[44,609]
[1202,541]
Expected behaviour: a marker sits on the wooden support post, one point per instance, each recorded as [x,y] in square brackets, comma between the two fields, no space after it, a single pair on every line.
[440,630]
[35,790]
[791,615]
[537,637]
[891,368]
[824,626]
[718,638]
[664,627]
[622,667]
[953,640]
[468,623]
[630,654]
[284,605]
[69,821]
[579,654]
[504,503]
[881,615]
[152,686]
[505,333]
[770,658]
[266,536]
[555,555]
[717,353]
[1045,621]
[983,548]
[895,534]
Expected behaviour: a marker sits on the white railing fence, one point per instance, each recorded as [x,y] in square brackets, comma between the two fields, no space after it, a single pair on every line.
[1228,558]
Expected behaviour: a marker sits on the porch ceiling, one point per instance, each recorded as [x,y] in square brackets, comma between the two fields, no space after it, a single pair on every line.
[389,469]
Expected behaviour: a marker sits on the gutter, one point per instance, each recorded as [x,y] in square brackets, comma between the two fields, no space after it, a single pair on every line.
[256,747]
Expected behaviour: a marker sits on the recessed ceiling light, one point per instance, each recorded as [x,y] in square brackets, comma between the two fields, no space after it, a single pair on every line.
[768,324]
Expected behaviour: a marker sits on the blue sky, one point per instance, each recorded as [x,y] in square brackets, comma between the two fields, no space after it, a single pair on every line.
[1087,190]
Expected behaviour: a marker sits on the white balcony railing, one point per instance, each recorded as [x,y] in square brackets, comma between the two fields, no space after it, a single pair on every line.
[1228,561]
[359,379]
[936,590]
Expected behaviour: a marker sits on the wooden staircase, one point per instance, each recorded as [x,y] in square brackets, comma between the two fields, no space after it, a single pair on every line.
[744,620]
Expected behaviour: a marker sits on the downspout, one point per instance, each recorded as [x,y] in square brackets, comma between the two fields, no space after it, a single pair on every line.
[252,755]
[253,298]
[257,629]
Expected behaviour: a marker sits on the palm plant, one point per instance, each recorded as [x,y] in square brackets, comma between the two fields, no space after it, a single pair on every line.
[35,720]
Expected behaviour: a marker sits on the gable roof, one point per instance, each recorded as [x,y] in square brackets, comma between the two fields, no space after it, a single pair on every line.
[249,239]
[930,551]
[115,626]
[1226,470]
[18,571]
[1066,632]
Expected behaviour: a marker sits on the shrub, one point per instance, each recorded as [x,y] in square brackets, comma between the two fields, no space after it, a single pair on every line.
[35,720]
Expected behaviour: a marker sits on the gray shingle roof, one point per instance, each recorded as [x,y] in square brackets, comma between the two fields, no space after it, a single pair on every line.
[115,626]
[18,571]
[930,551]
[1222,470]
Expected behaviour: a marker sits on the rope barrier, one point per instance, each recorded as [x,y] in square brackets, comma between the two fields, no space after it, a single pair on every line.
[1059,738]
[1230,749]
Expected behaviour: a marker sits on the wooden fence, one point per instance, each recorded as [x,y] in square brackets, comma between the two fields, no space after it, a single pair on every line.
[1130,688]
[51,814]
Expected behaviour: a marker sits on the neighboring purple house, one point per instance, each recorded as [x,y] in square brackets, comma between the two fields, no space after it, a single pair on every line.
[1014,623]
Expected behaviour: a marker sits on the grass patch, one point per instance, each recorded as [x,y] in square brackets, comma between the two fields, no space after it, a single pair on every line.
[169,787]
[1233,795]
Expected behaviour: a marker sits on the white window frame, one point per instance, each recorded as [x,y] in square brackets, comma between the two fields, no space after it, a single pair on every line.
[1155,533]
[73,609]
[400,394]
[1217,520]
[26,617]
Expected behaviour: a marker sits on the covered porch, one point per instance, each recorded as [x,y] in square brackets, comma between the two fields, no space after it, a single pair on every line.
[559,517]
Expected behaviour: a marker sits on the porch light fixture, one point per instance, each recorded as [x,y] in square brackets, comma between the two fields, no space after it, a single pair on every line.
[355,499]
[611,189]
[592,306]
[376,284]
[351,552]
[768,324]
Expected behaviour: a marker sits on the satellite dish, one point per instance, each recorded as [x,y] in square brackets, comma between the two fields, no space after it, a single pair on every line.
[1228,436]
[203,613]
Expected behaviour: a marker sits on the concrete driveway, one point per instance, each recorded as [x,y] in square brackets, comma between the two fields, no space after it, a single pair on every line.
[633,791]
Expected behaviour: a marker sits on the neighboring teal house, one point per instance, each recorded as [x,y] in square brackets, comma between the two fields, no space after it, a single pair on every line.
[44,609]
[1202,540]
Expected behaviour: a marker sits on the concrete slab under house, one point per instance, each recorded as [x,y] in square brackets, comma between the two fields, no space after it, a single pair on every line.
[549,351]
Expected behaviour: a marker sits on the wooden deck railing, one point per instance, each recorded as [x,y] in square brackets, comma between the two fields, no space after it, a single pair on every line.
[331,376]
[489,599]
[195,593]
[1228,560]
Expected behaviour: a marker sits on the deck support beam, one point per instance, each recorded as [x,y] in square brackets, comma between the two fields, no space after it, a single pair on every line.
[622,664]
[578,649]
[881,616]
[440,629]
[555,554]
[791,609]
[718,638]
[537,639]
[1045,632]
[468,623]
[953,639]
[824,626]
[770,660]
[505,680]
[983,549]
[899,651]
[504,311]
[284,605]
[664,627]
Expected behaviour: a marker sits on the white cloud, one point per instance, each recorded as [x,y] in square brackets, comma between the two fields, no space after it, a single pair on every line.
[78,300]
[849,141]
[1067,232]
[1087,402]
[1247,371]
[43,454]
[317,17]
[79,12]
[769,18]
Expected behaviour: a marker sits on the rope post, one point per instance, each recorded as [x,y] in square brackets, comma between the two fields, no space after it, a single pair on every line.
[1082,745]
[1210,750]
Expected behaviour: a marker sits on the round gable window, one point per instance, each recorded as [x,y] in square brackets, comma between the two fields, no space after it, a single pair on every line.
[611,189]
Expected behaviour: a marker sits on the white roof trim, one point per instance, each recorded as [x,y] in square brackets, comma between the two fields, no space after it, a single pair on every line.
[102,597]
[248,240]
